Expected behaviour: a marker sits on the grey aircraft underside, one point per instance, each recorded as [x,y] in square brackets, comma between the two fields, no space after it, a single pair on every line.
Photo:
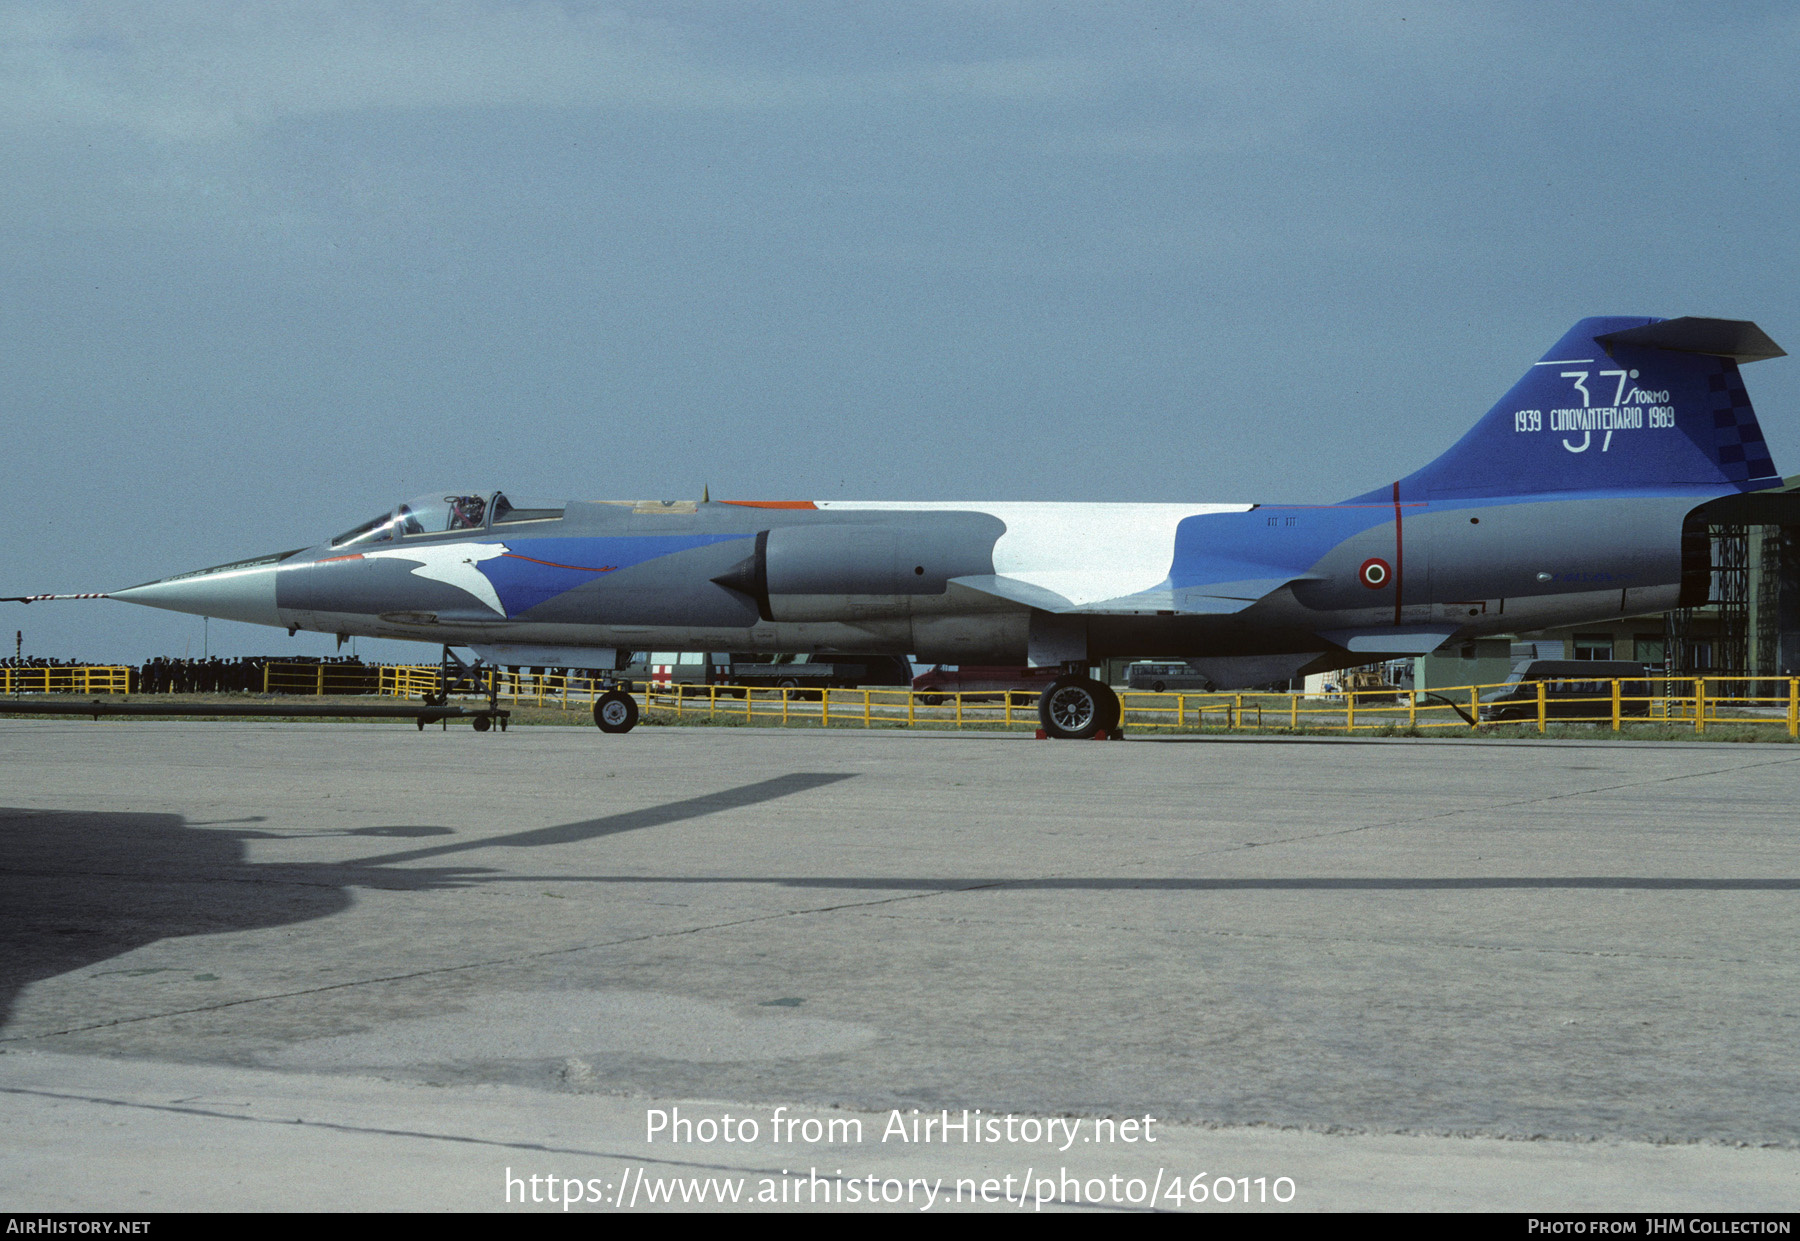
[1581,496]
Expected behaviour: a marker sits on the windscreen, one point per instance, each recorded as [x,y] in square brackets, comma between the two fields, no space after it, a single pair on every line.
[376,530]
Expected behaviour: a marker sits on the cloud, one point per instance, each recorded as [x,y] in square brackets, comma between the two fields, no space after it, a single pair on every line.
[199,69]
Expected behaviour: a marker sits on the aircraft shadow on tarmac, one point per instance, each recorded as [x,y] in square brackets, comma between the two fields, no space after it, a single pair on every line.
[627,820]
[1473,883]
[78,888]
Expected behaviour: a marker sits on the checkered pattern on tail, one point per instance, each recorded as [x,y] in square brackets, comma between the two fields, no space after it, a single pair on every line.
[1743,454]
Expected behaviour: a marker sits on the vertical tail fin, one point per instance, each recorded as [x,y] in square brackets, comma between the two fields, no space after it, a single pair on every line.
[1616,404]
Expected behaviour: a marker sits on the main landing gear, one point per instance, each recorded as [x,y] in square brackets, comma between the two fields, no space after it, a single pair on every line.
[1076,708]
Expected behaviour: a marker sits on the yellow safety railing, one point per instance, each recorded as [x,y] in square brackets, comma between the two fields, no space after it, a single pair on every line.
[858,707]
[550,689]
[322,678]
[68,679]
[1696,703]
[407,680]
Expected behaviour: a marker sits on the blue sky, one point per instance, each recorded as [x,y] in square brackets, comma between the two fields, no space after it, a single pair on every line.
[272,268]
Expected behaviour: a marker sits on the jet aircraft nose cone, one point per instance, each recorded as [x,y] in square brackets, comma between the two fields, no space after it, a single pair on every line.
[242,591]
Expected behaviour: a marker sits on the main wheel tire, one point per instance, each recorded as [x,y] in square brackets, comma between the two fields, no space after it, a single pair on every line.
[616,712]
[1075,708]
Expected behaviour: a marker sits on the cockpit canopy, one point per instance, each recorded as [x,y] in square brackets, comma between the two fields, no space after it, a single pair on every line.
[443,512]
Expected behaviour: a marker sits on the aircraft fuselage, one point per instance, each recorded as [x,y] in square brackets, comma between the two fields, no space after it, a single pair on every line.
[1572,500]
[952,583]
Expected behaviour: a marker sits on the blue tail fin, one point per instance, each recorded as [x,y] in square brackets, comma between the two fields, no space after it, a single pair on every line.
[1618,404]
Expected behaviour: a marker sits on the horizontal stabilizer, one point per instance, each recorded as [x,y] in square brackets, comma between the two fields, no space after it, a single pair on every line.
[1391,639]
[1737,339]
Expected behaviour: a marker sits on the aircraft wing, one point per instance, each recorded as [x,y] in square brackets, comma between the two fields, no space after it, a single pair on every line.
[1015,590]
[1391,639]
[1208,599]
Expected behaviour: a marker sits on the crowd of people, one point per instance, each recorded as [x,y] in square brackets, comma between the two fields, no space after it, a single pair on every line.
[199,676]
[248,674]
[245,674]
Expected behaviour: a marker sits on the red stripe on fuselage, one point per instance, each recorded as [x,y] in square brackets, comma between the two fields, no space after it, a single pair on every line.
[1399,556]
[579,568]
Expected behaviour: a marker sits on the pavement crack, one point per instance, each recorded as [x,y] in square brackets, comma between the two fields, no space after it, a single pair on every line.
[182,1109]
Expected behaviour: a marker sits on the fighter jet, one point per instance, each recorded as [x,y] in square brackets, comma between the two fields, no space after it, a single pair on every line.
[1580,496]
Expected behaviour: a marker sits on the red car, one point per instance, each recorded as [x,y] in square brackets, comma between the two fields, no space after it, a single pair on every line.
[976,683]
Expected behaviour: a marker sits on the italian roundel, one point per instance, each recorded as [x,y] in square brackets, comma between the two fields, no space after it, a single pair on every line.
[1375,573]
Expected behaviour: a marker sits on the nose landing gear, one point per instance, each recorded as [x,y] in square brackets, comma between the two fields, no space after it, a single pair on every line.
[615,711]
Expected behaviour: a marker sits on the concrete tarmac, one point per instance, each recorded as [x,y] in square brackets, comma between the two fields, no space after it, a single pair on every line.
[353,966]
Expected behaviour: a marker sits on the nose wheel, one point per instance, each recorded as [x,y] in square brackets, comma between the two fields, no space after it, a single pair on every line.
[615,711]
[1076,708]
